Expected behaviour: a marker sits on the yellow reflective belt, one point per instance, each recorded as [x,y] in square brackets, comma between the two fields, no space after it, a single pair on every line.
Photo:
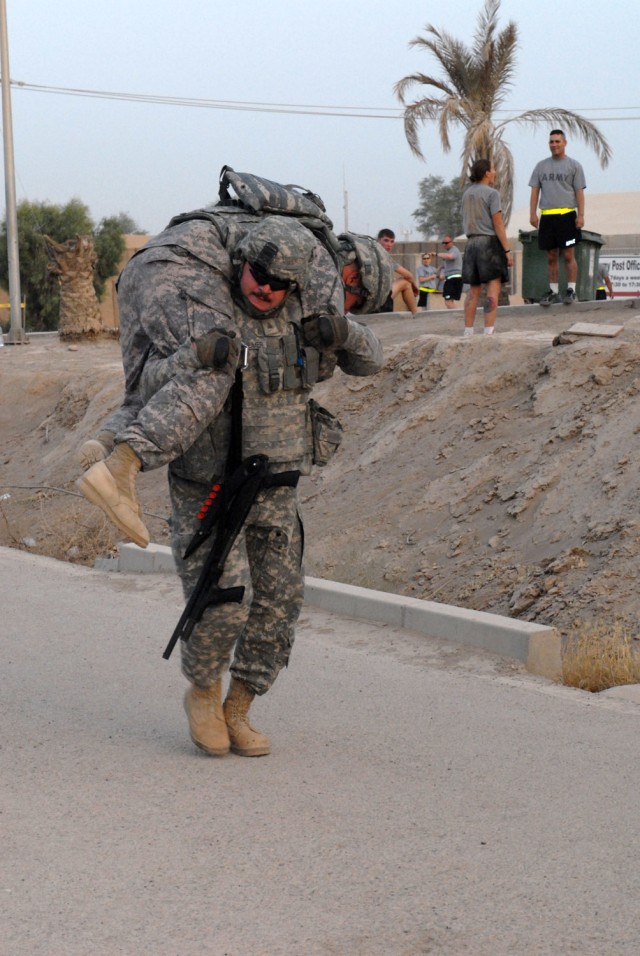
[555,212]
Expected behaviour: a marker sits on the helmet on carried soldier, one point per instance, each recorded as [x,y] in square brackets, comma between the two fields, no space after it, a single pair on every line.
[376,269]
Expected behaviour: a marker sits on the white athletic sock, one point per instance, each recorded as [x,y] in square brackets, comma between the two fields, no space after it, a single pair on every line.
[554,286]
[489,330]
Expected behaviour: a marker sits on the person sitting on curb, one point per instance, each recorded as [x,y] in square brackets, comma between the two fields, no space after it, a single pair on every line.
[403,284]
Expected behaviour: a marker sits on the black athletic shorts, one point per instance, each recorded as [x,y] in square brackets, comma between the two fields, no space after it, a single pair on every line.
[558,231]
[484,260]
[388,305]
[601,294]
[452,289]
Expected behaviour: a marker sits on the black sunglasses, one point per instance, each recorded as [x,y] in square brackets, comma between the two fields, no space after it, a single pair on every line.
[263,278]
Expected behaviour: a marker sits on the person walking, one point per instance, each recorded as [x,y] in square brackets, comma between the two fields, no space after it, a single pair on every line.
[603,282]
[557,187]
[487,257]
[230,319]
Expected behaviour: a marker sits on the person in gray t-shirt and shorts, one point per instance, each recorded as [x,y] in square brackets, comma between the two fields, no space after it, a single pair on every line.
[487,256]
[558,185]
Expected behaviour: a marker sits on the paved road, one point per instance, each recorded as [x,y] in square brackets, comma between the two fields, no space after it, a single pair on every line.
[419,799]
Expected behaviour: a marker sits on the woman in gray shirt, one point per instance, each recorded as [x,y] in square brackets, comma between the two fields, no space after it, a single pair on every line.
[487,257]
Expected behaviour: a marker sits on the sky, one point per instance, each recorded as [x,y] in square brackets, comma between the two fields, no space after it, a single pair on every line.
[153,160]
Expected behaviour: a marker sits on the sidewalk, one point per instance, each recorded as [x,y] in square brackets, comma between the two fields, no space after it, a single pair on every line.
[420,798]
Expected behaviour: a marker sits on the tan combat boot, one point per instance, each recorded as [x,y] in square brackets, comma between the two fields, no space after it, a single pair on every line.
[206,719]
[245,739]
[96,449]
[111,485]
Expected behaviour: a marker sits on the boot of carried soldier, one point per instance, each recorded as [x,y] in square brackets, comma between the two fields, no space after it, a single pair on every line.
[245,739]
[96,449]
[110,484]
[206,720]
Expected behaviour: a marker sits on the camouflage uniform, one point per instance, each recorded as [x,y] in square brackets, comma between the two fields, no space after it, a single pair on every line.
[177,288]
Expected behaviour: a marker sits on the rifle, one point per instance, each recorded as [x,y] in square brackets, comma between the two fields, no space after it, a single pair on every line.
[227,506]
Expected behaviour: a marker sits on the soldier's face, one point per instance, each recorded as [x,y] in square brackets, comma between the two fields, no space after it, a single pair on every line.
[351,277]
[387,242]
[557,145]
[262,297]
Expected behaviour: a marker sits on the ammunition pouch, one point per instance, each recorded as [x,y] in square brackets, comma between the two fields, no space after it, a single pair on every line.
[327,433]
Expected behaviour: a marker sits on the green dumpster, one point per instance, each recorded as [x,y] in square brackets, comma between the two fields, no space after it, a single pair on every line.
[535,275]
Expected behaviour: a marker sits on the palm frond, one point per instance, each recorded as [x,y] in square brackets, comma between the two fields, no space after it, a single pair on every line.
[452,55]
[571,123]
[473,84]
[485,29]
[402,85]
[415,115]
[503,63]
[504,166]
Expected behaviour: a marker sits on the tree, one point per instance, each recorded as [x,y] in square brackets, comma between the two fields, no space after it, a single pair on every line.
[440,209]
[474,84]
[110,246]
[61,224]
[73,264]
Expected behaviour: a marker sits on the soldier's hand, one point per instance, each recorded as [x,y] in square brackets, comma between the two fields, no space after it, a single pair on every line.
[325,331]
[219,349]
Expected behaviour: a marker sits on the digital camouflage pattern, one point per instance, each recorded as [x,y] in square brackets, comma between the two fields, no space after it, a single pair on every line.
[281,247]
[376,269]
[264,196]
[258,634]
[178,288]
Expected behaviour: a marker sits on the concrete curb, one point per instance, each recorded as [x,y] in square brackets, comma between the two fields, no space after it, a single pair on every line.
[537,646]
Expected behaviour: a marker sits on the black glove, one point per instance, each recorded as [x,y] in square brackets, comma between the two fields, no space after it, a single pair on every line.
[219,349]
[325,331]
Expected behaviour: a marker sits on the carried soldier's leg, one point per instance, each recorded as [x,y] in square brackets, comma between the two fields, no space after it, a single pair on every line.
[183,390]
[110,484]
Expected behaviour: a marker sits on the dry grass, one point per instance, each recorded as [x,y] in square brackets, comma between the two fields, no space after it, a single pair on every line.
[600,655]
[57,527]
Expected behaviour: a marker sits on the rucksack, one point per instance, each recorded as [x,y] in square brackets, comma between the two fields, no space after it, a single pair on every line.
[264,197]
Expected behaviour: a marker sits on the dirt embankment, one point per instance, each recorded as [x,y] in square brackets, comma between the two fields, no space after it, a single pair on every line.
[494,474]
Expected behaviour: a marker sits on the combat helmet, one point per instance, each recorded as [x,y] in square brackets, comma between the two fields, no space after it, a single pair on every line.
[376,269]
[280,247]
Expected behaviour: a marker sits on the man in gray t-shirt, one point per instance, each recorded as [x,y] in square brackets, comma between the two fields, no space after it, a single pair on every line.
[452,259]
[557,186]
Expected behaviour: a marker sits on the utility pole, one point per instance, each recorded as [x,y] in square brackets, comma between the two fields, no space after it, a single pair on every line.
[345,204]
[16,334]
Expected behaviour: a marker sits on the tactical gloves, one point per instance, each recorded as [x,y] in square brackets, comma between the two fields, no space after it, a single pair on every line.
[325,331]
[219,349]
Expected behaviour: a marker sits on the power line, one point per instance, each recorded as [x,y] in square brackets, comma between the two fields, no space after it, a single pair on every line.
[300,109]
[364,112]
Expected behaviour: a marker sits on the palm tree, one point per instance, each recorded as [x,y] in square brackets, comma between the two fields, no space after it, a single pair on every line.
[475,81]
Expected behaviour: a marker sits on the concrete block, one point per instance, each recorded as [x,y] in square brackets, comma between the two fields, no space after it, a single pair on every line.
[537,646]
[106,564]
[150,560]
